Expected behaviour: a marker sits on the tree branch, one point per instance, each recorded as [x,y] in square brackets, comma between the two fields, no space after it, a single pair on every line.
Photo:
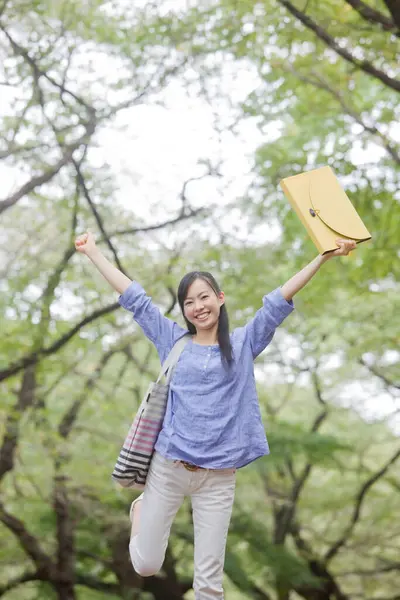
[68,150]
[21,117]
[364,65]
[38,73]
[388,383]
[325,586]
[99,220]
[358,505]
[373,572]
[69,418]
[142,367]
[372,15]
[373,129]
[25,578]
[188,214]
[161,74]
[48,297]
[44,565]
[321,83]
[286,513]
[3,7]
[26,398]
[34,357]
[13,149]
[47,175]
[397,597]
[65,538]
[96,584]
[394,9]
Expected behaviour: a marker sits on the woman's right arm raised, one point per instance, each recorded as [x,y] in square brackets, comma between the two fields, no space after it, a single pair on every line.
[159,329]
[86,245]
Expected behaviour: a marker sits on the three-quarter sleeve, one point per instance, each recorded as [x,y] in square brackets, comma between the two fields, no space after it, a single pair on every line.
[260,330]
[160,330]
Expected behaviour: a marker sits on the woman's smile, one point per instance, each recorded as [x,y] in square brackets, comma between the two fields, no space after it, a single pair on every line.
[203,316]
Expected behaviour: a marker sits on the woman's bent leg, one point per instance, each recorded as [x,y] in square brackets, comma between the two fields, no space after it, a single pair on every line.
[212,508]
[163,495]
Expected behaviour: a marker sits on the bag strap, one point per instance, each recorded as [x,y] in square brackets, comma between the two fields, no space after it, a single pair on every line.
[173,357]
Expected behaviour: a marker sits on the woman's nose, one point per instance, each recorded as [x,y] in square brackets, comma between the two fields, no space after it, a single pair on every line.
[199,305]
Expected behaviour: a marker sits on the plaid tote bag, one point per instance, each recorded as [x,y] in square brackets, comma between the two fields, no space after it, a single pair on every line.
[135,456]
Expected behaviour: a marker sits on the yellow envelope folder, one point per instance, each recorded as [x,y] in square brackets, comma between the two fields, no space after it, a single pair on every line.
[324,208]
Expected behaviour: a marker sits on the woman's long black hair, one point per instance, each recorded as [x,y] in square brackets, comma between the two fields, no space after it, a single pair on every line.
[224,340]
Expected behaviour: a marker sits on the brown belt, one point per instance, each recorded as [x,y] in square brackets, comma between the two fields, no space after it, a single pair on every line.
[190,467]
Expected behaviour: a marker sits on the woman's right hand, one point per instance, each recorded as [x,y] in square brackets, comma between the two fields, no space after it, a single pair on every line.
[85,243]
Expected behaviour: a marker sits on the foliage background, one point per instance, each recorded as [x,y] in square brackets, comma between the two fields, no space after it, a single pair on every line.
[296,85]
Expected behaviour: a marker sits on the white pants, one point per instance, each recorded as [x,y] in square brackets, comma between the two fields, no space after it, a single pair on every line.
[212,493]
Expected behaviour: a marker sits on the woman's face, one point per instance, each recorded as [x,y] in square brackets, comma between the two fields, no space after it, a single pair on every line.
[202,305]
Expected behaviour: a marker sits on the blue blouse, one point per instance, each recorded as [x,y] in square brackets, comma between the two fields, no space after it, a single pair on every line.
[213,417]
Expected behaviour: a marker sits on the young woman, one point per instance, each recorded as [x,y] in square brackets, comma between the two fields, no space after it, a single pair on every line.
[212,424]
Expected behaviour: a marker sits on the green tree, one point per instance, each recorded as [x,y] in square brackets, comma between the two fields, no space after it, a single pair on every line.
[318,519]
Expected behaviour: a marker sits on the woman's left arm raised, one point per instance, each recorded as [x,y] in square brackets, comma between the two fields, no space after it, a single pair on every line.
[298,281]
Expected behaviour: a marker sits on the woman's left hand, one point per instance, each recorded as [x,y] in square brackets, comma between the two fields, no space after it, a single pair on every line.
[344,248]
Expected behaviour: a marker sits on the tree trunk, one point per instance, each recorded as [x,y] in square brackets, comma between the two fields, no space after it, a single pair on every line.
[65,591]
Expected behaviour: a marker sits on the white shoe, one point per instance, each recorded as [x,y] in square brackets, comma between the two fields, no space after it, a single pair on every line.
[133,506]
